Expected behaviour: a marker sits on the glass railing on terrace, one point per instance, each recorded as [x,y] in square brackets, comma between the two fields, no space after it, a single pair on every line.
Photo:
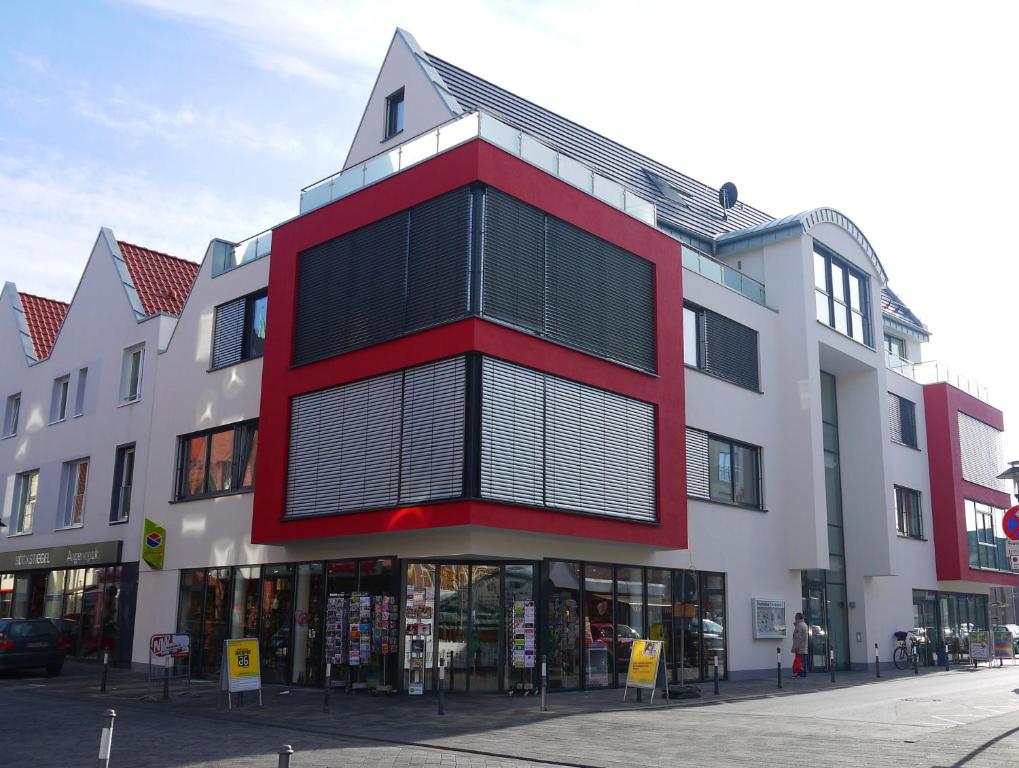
[227,255]
[722,274]
[933,372]
[463,129]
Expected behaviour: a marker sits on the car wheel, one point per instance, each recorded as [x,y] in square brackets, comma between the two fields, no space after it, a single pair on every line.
[54,669]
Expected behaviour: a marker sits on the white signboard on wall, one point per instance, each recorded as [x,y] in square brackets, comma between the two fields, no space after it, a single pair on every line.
[768,618]
[1013,553]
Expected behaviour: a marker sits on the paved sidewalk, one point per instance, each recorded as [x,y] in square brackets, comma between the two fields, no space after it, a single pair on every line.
[933,719]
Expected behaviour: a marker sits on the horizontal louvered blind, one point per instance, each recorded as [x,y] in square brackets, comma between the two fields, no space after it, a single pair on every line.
[895,417]
[586,450]
[228,336]
[698,465]
[380,442]
[567,285]
[981,451]
[730,350]
[399,274]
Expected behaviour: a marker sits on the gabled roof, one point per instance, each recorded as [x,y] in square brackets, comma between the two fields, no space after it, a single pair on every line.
[162,281]
[892,307]
[685,205]
[43,318]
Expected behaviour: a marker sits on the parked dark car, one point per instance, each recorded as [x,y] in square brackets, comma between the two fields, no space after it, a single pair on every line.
[28,643]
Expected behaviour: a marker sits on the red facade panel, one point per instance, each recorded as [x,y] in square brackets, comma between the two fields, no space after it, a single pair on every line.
[476,161]
[949,491]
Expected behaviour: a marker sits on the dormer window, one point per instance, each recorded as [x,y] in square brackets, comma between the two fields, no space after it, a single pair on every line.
[394,114]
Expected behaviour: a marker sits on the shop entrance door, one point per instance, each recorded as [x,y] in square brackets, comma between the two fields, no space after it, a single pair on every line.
[815,614]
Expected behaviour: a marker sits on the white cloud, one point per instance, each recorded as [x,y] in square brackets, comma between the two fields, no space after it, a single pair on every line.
[37,64]
[51,212]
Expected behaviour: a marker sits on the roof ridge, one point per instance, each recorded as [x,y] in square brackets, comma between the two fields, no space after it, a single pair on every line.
[158,253]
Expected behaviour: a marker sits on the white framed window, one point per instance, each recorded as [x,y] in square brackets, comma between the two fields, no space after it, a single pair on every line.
[11,414]
[58,404]
[131,374]
[80,387]
[123,480]
[72,496]
[26,486]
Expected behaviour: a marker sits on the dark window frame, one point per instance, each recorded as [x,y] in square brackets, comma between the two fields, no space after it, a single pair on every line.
[907,423]
[395,114]
[239,429]
[710,365]
[909,526]
[758,475]
[116,518]
[246,329]
[845,303]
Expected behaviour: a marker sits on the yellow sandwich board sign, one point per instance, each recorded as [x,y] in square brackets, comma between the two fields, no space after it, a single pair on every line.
[241,668]
[645,661]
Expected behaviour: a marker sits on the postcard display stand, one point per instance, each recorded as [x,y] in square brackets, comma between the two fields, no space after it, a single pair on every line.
[418,648]
[522,651]
[360,629]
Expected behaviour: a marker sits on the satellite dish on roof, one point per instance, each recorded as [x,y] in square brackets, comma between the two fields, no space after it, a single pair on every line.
[727,195]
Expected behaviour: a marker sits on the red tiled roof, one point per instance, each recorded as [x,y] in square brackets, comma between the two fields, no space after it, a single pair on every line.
[162,281]
[43,317]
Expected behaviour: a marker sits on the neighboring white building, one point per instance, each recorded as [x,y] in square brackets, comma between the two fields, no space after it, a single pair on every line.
[78,387]
[827,468]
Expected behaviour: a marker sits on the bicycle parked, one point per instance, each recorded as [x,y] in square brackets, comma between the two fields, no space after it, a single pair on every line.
[908,645]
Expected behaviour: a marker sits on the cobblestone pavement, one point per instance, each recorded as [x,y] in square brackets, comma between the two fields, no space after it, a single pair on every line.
[960,718]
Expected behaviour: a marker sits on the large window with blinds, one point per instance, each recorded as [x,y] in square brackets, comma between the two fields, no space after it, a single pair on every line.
[401,274]
[380,442]
[720,469]
[981,453]
[551,442]
[475,252]
[722,347]
[560,282]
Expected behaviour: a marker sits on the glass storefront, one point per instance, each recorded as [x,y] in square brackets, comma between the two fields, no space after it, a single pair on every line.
[949,618]
[93,607]
[489,622]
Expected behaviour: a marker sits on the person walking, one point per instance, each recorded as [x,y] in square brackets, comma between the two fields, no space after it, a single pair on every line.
[800,648]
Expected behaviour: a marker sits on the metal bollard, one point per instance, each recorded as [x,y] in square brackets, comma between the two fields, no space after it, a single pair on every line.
[442,685]
[325,698]
[778,653]
[716,675]
[544,682]
[877,662]
[948,666]
[831,663]
[916,660]
[106,668]
[285,752]
[106,740]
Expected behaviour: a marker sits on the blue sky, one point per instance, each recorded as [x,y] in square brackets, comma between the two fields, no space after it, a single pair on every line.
[176,121]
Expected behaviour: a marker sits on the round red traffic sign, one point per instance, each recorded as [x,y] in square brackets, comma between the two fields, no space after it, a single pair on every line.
[1010,523]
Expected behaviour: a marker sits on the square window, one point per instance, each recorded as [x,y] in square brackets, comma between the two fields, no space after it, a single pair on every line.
[394,114]
[11,414]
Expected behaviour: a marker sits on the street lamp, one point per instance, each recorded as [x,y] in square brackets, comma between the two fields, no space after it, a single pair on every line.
[1012,473]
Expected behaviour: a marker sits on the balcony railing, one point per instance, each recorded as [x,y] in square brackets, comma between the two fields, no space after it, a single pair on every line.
[473,126]
[227,256]
[933,372]
[722,274]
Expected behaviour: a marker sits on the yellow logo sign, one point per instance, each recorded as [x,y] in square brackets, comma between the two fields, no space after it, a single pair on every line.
[644,660]
[244,671]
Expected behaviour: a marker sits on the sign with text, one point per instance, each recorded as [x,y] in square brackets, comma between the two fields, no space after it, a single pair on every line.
[74,556]
[644,663]
[1013,553]
[153,544]
[978,645]
[1004,645]
[769,618]
[242,670]
[168,647]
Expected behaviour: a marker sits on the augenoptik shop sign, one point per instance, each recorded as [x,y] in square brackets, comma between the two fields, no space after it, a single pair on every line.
[73,556]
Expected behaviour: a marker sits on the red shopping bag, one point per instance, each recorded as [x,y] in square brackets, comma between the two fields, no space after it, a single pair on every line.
[797,664]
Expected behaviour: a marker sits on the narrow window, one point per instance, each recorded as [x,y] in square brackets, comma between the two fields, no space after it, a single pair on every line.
[79,392]
[123,479]
[902,420]
[691,337]
[11,414]
[254,324]
[908,517]
[394,114]
[25,489]
[58,406]
[131,374]
[72,504]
